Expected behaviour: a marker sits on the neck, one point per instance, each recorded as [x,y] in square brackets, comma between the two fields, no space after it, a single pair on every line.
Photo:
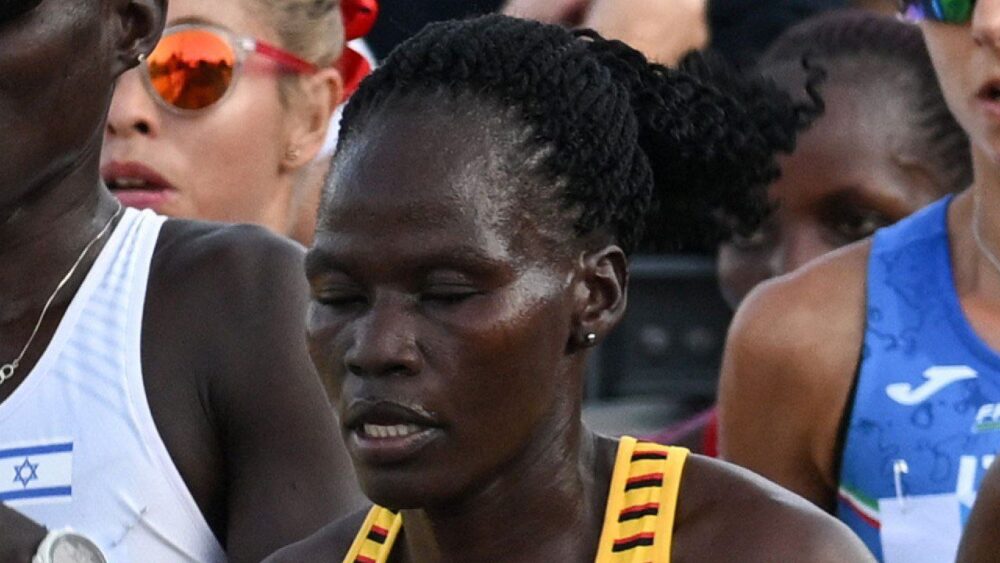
[548,505]
[43,233]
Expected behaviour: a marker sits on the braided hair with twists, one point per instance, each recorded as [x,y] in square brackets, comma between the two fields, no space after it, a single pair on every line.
[624,143]
[872,50]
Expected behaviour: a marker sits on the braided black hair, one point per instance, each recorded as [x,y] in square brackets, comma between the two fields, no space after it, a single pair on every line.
[867,48]
[615,132]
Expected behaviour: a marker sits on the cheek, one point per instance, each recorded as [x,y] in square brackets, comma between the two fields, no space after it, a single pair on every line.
[509,362]
[233,153]
[951,50]
[49,114]
[321,336]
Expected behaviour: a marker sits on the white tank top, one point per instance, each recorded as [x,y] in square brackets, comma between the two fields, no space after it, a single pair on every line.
[78,446]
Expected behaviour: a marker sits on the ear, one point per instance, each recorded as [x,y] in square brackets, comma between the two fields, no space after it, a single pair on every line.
[601,294]
[310,113]
[138,25]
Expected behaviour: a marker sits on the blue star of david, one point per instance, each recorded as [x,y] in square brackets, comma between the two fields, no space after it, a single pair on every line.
[26,473]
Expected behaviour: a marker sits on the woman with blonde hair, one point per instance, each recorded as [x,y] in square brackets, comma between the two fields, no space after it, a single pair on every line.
[223,119]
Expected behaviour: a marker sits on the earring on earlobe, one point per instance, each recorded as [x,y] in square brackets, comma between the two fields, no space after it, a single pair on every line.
[590,340]
[140,59]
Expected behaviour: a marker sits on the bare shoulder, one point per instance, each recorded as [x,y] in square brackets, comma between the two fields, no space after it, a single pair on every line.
[228,297]
[223,349]
[250,254]
[789,366]
[330,543]
[726,513]
[809,315]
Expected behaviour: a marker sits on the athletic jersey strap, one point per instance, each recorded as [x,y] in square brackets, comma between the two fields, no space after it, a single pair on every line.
[638,521]
[376,538]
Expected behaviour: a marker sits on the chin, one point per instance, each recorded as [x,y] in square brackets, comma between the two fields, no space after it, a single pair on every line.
[410,488]
[397,491]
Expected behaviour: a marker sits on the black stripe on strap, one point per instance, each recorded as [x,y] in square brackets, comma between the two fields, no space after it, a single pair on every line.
[632,544]
[637,514]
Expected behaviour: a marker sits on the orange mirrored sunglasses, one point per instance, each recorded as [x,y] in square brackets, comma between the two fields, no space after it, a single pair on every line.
[196,66]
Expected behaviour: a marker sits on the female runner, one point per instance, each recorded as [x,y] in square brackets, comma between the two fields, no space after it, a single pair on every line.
[868,382]
[473,247]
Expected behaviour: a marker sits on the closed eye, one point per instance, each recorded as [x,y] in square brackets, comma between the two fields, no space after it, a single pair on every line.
[449,295]
[340,299]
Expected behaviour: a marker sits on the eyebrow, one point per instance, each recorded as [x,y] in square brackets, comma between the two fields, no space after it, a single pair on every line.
[852,194]
[462,258]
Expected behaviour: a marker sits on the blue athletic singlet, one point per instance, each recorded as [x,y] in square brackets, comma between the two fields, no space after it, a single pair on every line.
[925,420]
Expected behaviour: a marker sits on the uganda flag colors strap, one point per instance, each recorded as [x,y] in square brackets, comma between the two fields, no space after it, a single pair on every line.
[638,521]
[374,542]
[642,502]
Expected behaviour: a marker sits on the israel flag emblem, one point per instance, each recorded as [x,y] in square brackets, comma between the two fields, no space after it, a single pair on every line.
[38,474]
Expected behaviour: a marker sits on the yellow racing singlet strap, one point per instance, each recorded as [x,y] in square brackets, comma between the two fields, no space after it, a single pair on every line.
[374,541]
[638,521]
[642,503]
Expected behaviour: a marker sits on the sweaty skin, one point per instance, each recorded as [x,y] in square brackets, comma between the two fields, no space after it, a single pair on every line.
[438,297]
[226,371]
[795,344]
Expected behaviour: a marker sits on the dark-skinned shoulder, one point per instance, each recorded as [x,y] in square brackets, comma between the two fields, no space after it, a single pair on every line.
[329,544]
[728,514]
[232,390]
[981,540]
[791,357]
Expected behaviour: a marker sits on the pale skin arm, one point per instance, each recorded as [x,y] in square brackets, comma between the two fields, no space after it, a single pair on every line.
[664,30]
[787,374]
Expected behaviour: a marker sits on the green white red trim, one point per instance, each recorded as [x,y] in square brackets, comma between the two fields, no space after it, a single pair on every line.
[866,508]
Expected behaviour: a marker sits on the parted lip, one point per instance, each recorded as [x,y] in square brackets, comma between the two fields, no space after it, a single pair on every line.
[384,412]
[990,90]
[115,172]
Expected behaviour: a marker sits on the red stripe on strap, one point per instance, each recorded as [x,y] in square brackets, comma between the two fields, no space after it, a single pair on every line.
[363,559]
[640,508]
[637,537]
[641,478]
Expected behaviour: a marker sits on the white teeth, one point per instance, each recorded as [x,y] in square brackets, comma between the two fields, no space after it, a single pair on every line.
[127,183]
[382,432]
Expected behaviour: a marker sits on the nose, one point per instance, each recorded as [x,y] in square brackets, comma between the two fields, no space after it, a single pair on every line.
[384,340]
[986,24]
[133,111]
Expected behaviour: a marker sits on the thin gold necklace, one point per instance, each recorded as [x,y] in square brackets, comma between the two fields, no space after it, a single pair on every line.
[7,371]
